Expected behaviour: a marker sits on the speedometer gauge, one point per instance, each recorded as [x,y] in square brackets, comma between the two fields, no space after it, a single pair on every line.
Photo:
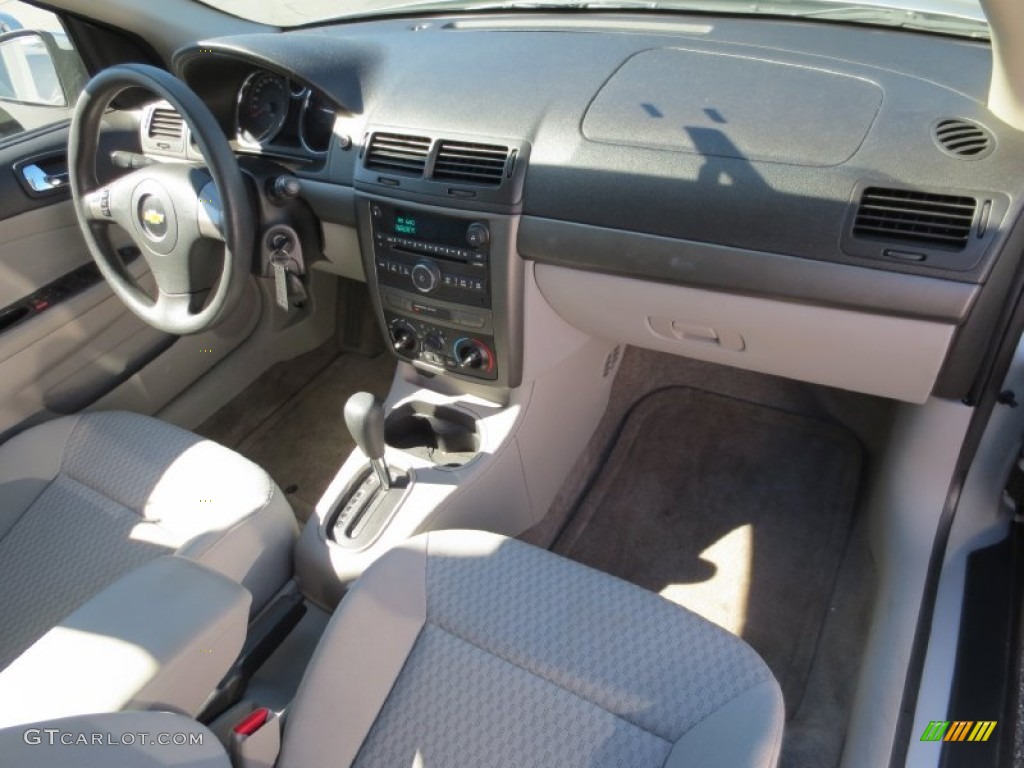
[262,107]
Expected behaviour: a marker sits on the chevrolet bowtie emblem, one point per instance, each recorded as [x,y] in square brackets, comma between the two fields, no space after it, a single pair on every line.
[153,217]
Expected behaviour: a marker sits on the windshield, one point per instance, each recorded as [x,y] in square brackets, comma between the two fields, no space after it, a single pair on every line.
[955,17]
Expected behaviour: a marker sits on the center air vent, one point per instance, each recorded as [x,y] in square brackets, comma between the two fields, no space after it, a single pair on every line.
[963,139]
[165,123]
[917,217]
[472,163]
[397,153]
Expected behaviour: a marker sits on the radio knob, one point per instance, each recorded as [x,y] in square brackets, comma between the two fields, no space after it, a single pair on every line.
[425,276]
[477,234]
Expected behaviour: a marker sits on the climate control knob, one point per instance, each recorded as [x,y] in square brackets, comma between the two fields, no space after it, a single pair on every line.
[403,339]
[472,355]
[471,358]
[426,276]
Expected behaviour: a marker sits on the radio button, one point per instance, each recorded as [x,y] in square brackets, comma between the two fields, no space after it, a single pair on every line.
[397,302]
[469,320]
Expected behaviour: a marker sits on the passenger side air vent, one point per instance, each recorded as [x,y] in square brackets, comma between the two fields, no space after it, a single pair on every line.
[963,139]
[470,163]
[917,217]
[165,123]
[397,153]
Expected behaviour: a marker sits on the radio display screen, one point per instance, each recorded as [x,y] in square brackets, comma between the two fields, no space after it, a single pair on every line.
[430,229]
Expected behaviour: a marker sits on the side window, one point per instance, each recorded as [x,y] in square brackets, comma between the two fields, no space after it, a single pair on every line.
[41,74]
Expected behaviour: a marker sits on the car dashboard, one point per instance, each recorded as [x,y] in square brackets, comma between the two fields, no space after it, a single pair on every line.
[827,202]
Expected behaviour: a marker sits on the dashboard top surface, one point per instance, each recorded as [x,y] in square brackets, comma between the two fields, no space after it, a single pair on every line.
[751,134]
[811,162]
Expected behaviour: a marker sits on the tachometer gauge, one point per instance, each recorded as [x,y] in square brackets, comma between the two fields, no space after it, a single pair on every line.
[316,124]
[262,107]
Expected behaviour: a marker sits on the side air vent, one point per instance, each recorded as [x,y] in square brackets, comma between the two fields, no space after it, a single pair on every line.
[165,123]
[397,153]
[963,139]
[917,217]
[471,163]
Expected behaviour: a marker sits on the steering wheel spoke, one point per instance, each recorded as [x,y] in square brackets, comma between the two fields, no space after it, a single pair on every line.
[174,308]
[109,203]
[210,213]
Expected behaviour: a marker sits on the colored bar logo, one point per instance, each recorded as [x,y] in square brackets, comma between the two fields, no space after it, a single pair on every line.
[959,730]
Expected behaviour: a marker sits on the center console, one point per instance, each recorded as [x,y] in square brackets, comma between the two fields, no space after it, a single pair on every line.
[495,395]
[448,288]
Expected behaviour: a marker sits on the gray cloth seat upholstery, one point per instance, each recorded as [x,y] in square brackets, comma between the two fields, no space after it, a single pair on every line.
[87,498]
[464,648]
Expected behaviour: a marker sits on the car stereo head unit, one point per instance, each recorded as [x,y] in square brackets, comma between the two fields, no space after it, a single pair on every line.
[432,255]
[435,288]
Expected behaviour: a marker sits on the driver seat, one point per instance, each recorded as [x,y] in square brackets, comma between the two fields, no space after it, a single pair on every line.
[84,499]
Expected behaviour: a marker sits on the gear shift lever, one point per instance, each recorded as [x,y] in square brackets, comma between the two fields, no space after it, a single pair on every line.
[364,417]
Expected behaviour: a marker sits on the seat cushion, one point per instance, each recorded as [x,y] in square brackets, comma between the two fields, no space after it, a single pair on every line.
[86,498]
[468,649]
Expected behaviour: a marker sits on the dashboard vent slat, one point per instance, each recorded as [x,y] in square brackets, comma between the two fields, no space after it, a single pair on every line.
[166,123]
[465,161]
[398,153]
[963,139]
[918,217]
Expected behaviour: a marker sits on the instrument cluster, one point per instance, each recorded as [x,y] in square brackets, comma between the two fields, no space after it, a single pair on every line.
[274,112]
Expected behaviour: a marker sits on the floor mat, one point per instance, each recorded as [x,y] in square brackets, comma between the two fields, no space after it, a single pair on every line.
[737,511]
[298,433]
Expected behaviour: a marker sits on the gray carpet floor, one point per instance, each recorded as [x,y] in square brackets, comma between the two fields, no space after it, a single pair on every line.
[735,578]
[289,421]
[737,511]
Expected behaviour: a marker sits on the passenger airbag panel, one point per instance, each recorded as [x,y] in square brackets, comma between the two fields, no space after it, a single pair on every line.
[724,105]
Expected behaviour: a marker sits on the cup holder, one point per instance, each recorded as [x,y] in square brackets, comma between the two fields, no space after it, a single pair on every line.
[444,436]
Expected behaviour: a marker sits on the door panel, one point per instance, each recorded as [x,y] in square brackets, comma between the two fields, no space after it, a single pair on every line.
[38,247]
[74,344]
[66,342]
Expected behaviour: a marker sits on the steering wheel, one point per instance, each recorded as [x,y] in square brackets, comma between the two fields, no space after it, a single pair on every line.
[192,223]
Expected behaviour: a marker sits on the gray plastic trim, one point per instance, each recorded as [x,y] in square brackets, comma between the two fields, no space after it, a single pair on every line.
[737,270]
[335,203]
[891,357]
[508,194]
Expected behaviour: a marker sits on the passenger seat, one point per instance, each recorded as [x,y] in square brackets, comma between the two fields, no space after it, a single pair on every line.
[464,648]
